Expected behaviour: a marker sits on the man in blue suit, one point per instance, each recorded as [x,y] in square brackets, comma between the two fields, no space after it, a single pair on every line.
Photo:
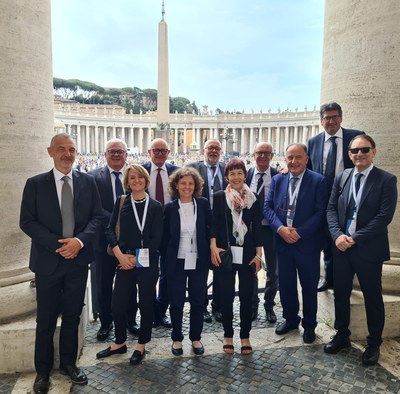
[329,157]
[109,183]
[362,205]
[159,172]
[259,180]
[60,212]
[295,209]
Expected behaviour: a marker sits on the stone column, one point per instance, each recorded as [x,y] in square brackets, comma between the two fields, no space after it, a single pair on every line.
[140,140]
[96,139]
[176,143]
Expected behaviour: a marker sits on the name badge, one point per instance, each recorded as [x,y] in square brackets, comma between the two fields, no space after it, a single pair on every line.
[351,226]
[142,258]
[237,254]
[190,261]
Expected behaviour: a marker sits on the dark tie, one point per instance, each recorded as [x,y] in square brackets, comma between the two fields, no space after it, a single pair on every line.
[216,184]
[293,183]
[119,190]
[261,193]
[67,209]
[330,167]
[352,203]
[159,188]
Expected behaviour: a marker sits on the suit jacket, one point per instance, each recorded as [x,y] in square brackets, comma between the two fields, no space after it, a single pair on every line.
[252,219]
[316,150]
[310,210]
[202,169]
[375,212]
[41,220]
[249,178]
[172,231]
[103,181]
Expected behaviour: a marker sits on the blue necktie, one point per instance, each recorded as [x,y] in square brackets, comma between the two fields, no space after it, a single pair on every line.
[119,190]
[67,209]
[330,167]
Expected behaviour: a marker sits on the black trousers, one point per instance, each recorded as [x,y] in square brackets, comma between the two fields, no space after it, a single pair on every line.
[369,275]
[125,283]
[61,292]
[246,285]
[196,282]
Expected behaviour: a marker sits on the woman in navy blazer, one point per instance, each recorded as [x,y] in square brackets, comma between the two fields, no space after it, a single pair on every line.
[186,245]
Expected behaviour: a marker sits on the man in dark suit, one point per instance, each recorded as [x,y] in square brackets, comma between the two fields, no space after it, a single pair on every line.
[159,172]
[109,183]
[361,206]
[212,172]
[60,212]
[328,156]
[295,209]
[259,180]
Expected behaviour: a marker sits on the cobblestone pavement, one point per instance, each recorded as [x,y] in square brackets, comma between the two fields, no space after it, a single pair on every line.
[279,364]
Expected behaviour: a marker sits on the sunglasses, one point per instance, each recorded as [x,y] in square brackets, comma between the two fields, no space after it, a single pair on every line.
[354,151]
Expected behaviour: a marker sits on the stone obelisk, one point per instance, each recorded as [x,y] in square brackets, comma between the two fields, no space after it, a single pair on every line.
[163,80]
[361,71]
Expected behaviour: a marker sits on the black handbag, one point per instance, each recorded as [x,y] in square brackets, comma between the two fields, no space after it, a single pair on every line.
[226,255]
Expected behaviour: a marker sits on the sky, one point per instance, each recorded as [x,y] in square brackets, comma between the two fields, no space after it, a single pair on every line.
[233,55]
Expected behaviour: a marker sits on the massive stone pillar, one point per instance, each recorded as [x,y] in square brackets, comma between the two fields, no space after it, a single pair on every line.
[26,127]
[361,71]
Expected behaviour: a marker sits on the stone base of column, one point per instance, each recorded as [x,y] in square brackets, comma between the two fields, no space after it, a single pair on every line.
[17,343]
[358,321]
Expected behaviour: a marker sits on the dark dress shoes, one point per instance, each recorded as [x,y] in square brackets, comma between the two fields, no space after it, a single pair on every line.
[75,374]
[324,285]
[270,315]
[309,335]
[104,332]
[337,343]
[370,355]
[108,352]
[42,384]
[136,357]
[133,328]
[176,351]
[285,327]
[254,314]
[165,322]
[207,317]
[198,351]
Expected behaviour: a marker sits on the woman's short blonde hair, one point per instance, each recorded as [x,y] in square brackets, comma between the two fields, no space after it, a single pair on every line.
[179,174]
[140,170]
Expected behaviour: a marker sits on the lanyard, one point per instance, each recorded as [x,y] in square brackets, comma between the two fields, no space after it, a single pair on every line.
[293,197]
[213,176]
[140,225]
[192,229]
[263,182]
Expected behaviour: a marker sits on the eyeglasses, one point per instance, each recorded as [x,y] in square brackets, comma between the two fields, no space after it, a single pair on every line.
[216,148]
[263,153]
[116,152]
[157,151]
[333,118]
[354,151]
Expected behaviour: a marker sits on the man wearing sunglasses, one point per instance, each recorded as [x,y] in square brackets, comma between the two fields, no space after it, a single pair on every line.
[361,206]
[159,172]
[329,157]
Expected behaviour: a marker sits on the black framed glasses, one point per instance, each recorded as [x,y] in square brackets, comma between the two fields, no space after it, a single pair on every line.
[354,151]
[157,151]
[116,152]
[216,148]
[263,153]
[334,118]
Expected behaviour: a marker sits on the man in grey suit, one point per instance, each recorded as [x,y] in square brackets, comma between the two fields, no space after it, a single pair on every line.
[212,172]
[329,157]
[362,205]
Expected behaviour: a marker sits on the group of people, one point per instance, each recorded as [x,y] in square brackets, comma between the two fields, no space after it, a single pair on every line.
[139,224]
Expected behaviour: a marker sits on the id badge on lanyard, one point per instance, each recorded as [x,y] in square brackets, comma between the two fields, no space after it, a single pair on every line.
[142,254]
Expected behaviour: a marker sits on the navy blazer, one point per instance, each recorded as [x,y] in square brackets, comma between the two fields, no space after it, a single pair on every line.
[172,231]
[375,212]
[202,169]
[316,150]
[41,220]
[310,210]
[102,178]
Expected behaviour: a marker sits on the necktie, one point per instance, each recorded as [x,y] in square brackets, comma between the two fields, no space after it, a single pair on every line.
[330,167]
[352,203]
[118,185]
[293,183]
[159,188]
[67,209]
[216,184]
[261,193]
